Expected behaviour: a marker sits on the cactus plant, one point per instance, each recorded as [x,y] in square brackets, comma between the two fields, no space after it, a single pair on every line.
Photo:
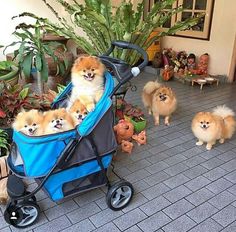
[103,23]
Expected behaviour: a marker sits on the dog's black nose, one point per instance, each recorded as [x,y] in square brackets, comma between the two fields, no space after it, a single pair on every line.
[204,126]
[89,74]
[30,129]
[80,116]
[57,121]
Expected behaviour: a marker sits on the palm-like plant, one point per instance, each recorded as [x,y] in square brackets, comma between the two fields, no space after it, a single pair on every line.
[103,23]
[32,50]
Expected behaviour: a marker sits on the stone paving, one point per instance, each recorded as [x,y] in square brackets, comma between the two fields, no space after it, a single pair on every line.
[178,186]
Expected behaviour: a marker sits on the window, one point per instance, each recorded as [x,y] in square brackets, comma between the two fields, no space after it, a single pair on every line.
[191,8]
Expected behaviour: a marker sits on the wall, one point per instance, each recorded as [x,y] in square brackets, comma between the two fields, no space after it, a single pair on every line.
[221,43]
[14,7]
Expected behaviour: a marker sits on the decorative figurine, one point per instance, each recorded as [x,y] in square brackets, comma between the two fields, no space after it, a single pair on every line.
[126,146]
[140,138]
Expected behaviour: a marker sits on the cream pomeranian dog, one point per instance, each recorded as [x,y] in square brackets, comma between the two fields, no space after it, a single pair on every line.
[29,123]
[209,127]
[159,101]
[88,81]
[78,112]
[56,121]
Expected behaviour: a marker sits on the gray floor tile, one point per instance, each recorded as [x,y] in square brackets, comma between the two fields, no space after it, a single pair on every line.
[200,196]
[84,225]
[202,212]
[154,205]
[207,226]
[129,219]
[177,193]
[178,208]
[181,224]
[154,222]
[223,199]
[225,216]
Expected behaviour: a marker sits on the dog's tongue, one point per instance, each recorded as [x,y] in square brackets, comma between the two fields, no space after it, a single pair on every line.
[58,126]
[31,133]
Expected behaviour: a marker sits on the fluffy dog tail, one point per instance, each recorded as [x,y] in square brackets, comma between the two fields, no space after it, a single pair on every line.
[151,86]
[229,121]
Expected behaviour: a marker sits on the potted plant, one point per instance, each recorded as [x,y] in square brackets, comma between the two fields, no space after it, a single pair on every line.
[136,116]
[103,23]
[130,113]
[32,52]
[4,143]
[9,72]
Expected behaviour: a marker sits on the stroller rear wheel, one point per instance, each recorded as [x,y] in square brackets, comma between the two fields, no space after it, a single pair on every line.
[119,195]
[22,215]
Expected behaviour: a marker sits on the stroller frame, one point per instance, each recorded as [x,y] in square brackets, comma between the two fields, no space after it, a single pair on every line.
[22,209]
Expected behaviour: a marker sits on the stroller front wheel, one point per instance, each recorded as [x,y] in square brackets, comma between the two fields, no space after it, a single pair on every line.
[119,195]
[22,215]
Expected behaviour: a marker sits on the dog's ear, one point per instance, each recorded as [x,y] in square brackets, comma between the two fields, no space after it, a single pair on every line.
[115,128]
[134,137]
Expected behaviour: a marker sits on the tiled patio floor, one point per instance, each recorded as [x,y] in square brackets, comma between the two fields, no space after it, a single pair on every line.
[178,186]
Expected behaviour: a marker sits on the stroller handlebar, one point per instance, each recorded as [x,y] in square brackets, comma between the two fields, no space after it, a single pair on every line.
[127,45]
[122,71]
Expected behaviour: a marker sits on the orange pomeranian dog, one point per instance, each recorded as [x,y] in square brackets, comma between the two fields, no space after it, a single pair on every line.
[159,100]
[78,112]
[209,127]
[88,81]
[29,123]
[56,121]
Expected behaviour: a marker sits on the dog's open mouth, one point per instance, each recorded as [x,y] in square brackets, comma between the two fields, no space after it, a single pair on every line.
[32,132]
[58,126]
[89,77]
[163,98]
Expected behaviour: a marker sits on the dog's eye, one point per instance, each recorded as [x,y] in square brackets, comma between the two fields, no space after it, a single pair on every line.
[85,113]
[61,119]
[77,111]
[92,69]
[84,70]
[201,122]
[25,126]
[34,124]
[53,120]
[207,123]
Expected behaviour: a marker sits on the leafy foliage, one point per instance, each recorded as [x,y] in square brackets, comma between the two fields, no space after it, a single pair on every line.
[15,98]
[103,23]
[4,145]
[6,67]
[32,50]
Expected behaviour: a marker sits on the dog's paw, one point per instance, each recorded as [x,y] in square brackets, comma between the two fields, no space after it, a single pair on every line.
[167,123]
[90,107]
[199,143]
[208,147]
[150,112]
[221,141]
[156,123]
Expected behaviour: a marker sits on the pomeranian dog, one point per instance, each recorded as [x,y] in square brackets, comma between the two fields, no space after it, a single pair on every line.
[78,111]
[29,123]
[56,121]
[208,127]
[159,101]
[88,81]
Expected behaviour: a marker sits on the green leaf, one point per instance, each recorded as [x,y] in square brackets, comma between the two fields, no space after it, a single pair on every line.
[38,62]
[27,64]
[24,93]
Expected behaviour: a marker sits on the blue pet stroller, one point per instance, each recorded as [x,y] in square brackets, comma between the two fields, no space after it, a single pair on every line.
[74,161]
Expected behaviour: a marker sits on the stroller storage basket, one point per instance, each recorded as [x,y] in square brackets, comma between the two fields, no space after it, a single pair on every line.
[40,153]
